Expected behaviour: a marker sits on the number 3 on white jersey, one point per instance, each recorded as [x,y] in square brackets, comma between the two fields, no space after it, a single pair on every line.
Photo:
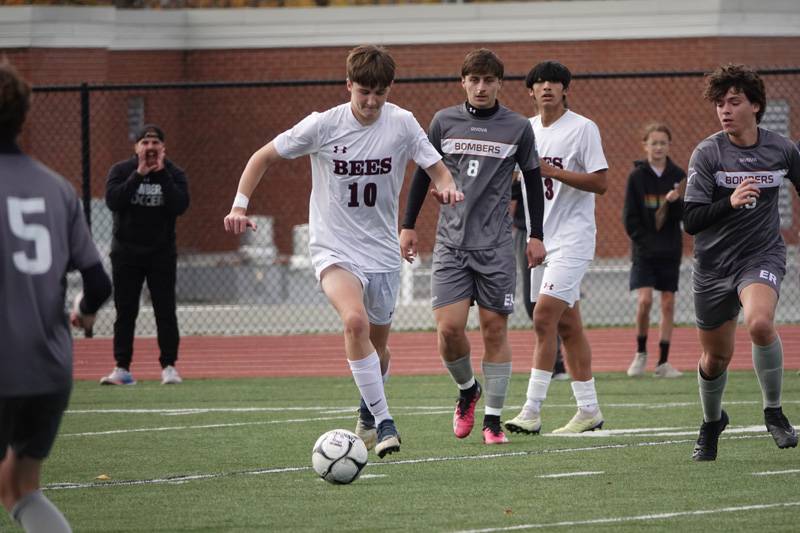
[39,234]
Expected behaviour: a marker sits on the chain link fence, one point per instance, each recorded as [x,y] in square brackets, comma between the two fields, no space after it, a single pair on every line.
[263,283]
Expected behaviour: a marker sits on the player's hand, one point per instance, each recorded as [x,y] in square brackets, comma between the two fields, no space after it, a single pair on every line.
[79,320]
[547,170]
[535,252]
[448,196]
[408,244]
[151,159]
[746,193]
[236,222]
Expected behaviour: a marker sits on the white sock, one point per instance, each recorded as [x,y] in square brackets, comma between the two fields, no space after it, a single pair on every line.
[367,375]
[538,384]
[585,396]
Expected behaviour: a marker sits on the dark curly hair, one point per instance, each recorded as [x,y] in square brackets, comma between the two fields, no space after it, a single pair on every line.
[743,80]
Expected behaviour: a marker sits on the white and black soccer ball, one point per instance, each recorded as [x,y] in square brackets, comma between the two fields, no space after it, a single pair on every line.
[339,456]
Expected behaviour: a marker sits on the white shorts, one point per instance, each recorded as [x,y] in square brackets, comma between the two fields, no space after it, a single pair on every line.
[560,278]
[380,291]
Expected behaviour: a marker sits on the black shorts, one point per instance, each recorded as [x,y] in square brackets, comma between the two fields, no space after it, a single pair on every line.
[660,274]
[29,424]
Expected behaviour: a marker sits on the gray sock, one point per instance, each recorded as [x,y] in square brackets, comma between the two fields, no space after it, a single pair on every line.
[36,514]
[460,369]
[768,364]
[711,395]
[496,377]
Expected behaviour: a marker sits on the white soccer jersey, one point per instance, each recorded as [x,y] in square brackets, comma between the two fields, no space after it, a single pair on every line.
[572,143]
[357,173]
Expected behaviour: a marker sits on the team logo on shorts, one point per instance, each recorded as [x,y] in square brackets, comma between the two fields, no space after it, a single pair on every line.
[769,276]
[509,300]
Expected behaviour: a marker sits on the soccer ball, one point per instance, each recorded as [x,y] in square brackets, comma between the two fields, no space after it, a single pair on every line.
[339,456]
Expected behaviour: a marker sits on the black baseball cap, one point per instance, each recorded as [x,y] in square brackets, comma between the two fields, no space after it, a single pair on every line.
[150,130]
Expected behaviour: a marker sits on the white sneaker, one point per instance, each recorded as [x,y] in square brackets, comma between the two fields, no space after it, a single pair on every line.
[666,370]
[118,376]
[582,422]
[170,376]
[638,365]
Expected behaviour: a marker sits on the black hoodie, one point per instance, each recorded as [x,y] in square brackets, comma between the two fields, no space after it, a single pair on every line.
[145,207]
[645,192]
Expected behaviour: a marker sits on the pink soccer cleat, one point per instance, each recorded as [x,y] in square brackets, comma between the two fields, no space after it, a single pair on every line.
[464,416]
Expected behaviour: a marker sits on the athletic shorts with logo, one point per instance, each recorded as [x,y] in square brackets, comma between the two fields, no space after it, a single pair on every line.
[560,277]
[660,274]
[487,277]
[716,298]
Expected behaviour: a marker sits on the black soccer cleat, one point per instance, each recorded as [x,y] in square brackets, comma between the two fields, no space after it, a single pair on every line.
[706,447]
[782,431]
[388,438]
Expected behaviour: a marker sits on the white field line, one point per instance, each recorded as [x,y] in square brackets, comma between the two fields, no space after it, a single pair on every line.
[570,474]
[384,464]
[353,408]
[776,472]
[638,518]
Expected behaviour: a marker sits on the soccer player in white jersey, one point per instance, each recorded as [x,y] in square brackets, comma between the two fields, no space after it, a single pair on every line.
[731,207]
[573,172]
[359,152]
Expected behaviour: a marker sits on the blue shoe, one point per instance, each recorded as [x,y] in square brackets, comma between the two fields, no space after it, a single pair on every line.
[388,438]
[118,376]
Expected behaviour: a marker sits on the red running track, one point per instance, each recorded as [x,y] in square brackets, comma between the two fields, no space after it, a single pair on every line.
[412,353]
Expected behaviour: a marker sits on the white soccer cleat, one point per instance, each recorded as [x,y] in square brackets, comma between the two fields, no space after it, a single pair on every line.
[526,422]
[666,370]
[581,422]
[170,376]
[638,365]
[368,434]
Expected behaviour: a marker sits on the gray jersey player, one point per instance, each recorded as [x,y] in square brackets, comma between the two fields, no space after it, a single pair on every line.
[42,235]
[473,259]
[731,206]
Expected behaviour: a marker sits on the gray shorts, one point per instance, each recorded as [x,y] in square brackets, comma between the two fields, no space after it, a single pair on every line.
[716,299]
[488,277]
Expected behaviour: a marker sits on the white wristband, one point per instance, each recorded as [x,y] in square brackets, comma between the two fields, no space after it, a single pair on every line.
[241,201]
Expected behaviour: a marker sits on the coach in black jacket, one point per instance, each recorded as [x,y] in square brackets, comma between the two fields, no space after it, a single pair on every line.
[146,193]
[652,216]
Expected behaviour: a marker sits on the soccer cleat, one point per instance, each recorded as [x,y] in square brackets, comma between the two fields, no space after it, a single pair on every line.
[666,370]
[581,423]
[559,371]
[638,365]
[782,431]
[706,447]
[526,422]
[494,435]
[388,438]
[464,415]
[365,427]
[170,376]
[118,376]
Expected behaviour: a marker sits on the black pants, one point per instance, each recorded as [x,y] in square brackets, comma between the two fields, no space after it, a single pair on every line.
[129,274]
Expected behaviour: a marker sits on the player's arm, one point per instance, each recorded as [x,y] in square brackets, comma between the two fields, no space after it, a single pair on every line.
[699,216]
[444,190]
[596,182]
[96,290]
[533,198]
[416,197]
[236,221]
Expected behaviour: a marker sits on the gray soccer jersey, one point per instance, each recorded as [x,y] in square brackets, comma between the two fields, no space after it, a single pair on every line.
[481,153]
[42,235]
[716,168]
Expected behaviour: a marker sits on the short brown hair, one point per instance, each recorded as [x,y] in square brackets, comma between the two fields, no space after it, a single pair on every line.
[370,66]
[482,61]
[15,98]
[656,126]
[743,80]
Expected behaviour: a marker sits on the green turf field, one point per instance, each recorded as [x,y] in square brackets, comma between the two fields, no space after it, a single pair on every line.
[213,455]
